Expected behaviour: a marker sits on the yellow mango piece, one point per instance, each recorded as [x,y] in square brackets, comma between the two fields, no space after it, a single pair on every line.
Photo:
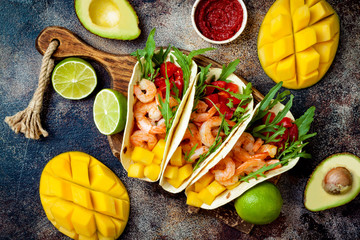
[271,70]
[142,155]
[92,237]
[203,182]
[206,197]
[81,196]
[152,171]
[62,211]
[311,2]
[61,166]
[122,209]
[176,182]
[177,158]
[105,225]
[193,200]
[301,18]
[185,171]
[319,11]
[281,26]
[323,67]
[80,168]
[283,48]
[103,203]
[304,39]
[101,177]
[265,36]
[327,28]
[308,79]
[215,188]
[159,149]
[286,68]
[119,226]
[295,4]
[266,55]
[326,50]
[136,170]
[307,61]
[157,160]
[171,172]
[231,187]
[71,204]
[290,83]
[83,221]
[280,7]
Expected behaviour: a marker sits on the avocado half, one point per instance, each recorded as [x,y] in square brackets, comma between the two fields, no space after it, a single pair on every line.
[115,19]
[316,198]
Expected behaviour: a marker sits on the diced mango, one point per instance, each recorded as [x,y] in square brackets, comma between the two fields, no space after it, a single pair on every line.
[307,61]
[295,4]
[80,168]
[119,226]
[185,171]
[60,188]
[157,160]
[171,172]
[301,18]
[193,200]
[266,55]
[101,177]
[280,7]
[81,196]
[177,158]
[319,11]
[62,166]
[291,83]
[323,50]
[286,68]
[136,170]
[122,209]
[265,36]
[311,2]
[281,26]
[176,182]
[159,149]
[103,203]
[105,225]
[215,188]
[305,39]
[308,80]
[142,155]
[233,186]
[206,197]
[283,48]
[69,233]
[327,28]
[83,221]
[204,181]
[118,190]
[271,70]
[152,171]
[62,211]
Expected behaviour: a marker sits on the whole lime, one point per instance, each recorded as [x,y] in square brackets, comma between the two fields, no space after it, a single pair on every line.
[260,204]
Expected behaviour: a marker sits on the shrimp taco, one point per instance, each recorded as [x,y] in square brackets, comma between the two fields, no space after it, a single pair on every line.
[271,144]
[157,93]
[218,105]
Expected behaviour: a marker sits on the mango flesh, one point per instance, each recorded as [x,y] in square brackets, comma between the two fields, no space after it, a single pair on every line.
[83,198]
[297,41]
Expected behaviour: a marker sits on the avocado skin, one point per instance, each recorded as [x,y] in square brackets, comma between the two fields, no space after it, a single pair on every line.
[335,161]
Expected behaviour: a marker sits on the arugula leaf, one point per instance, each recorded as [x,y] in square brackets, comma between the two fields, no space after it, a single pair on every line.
[190,153]
[303,123]
[160,57]
[201,85]
[212,148]
[229,69]
[230,104]
[259,172]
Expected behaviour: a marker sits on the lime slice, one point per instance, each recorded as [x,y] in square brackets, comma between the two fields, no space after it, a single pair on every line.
[110,111]
[74,78]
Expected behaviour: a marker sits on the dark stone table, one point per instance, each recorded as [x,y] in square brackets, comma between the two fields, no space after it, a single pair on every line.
[155,214]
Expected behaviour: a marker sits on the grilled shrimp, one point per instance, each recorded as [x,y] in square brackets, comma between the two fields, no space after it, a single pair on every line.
[205,130]
[190,138]
[249,166]
[271,150]
[204,116]
[159,128]
[227,173]
[245,141]
[143,139]
[141,111]
[201,107]
[230,181]
[198,152]
[145,86]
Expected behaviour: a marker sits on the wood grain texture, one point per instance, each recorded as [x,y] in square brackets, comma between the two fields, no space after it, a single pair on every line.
[120,68]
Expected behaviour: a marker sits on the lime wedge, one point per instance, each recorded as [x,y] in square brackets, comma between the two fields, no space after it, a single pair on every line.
[74,78]
[110,111]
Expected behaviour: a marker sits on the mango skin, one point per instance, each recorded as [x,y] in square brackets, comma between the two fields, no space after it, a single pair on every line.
[83,198]
[315,26]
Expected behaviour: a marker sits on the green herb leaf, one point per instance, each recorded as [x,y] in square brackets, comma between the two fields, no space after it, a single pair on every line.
[303,123]
[190,153]
[201,85]
[229,69]
[161,56]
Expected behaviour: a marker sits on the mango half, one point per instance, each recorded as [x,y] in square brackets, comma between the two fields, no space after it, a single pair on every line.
[83,198]
[297,41]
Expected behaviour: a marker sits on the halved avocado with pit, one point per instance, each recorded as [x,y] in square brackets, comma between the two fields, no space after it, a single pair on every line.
[115,19]
[334,182]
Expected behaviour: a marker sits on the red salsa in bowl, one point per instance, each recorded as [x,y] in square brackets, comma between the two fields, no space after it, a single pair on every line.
[219,20]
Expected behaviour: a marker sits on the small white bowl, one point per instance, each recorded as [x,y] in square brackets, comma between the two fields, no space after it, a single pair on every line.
[243,24]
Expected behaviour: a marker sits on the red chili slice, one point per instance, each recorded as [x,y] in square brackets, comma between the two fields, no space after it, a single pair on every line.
[272,116]
[212,99]
[293,133]
[285,122]
[209,90]
[220,84]
[224,97]
[232,87]
[161,84]
[171,69]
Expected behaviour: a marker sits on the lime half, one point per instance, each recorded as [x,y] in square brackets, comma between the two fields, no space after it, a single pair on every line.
[110,111]
[74,78]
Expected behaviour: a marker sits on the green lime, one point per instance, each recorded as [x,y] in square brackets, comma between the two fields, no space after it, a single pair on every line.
[110,111]
[260,204]
[74,78]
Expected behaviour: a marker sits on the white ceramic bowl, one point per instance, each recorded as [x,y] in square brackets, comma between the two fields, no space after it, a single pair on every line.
[243,24]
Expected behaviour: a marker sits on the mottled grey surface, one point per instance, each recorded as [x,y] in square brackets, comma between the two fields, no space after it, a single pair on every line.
[154,213]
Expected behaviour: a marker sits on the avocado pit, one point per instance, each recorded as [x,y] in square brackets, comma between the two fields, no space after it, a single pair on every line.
[337,181]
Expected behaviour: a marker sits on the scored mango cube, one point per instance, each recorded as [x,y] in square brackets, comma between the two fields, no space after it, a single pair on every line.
[204,181]
[62,211]
[105,225]
[326,29]
[323,49]
[136,170]
[281,26]
[215,188]
[266,54]
[101,177]
[311,2]
[103,203]
[307,80]
[171,172]
[177,158]
[286,68]
[152,171]
[307,61]
[142,155]
[84,222]
[205,196]
[159,149]
[305,39]
[295,4]
[283,48]
[81,196]
[319,11]
[193,199]
[301,18]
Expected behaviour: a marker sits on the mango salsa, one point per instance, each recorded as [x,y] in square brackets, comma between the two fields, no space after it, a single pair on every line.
[297,41]
[177,158]
[83,198]
[142,155]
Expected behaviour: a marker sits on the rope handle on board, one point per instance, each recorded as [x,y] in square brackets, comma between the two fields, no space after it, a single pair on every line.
[28,120]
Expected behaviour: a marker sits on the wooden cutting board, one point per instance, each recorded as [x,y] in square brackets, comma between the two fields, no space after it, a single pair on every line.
[120,69]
